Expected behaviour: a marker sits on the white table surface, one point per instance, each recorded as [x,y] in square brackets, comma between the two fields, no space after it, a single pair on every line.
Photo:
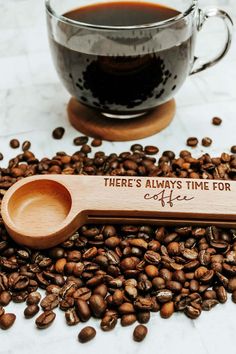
[33,103]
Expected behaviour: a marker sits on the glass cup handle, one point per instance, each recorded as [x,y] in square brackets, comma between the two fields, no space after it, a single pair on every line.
[203,17]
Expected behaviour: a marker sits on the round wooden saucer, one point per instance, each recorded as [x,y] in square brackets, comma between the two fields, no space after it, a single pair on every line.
[90,122]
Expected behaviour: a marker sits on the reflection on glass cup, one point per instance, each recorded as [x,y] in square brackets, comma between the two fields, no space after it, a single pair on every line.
[129,68]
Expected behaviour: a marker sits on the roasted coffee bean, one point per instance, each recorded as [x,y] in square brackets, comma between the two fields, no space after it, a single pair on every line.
[216,121]
[58,133]
[143,316]
[108,323]
[174,286]
[126,308]
[1,156]
[33,298]
[26,145]
[164,295]
[207,305]
[45,319]
[151,150]
[86,334]
[166,274]
[221,294]
[96,142]
[192,141]
[128,320]
[53,289]
[143,303]
[192,312]
[140,333]
[7,320]
[97,305]
[71,317]
[118,297]
[82,310]
[158,283]
[101,290]
[152,257]
[151,271]
[5,298]
[49,302]
[131,292]
[233,149]
[206,142]
[167,309]
[81,140]
[209,295]
[14,143]
[66,303]
[82,293]
[31,310]
[232,284]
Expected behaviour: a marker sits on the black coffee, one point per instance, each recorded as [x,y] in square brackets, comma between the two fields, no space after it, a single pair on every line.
[120,82]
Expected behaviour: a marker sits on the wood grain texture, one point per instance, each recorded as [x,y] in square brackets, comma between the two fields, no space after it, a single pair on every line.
[90,122]
[42,211]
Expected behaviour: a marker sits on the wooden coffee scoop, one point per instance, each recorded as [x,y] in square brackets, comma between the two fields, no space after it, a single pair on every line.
[43,211]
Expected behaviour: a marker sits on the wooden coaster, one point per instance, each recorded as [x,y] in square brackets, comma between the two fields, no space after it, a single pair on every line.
[92,123]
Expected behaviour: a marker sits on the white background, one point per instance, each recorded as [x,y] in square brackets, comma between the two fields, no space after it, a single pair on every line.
[33,103]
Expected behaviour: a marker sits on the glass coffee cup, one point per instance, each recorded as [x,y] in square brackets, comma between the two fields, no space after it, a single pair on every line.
[124,58]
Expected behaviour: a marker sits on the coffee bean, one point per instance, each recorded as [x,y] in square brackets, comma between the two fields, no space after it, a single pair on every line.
[207,305]
[5,298]
[151,150]
[97,305]
[164,295]
[221,294]
[58,133]
[192,312]
[140,333]
[82,293]
[1,156]
[71,317]
[14,143]
[167,309]
[86,334]
[108,323]
[232,284]
[192,141]
[7,320]
[80,140]
[45,319]
[126,308]
[101,290]
[128,320]
[49,302]
[26,145]
[31,310]
[143,316]
[206,142]
[33,298]
[96,142]
[216,121]
[83,310]
[233,149]
[209,295]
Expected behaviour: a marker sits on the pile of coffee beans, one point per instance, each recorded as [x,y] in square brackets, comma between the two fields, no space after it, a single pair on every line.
[119,272]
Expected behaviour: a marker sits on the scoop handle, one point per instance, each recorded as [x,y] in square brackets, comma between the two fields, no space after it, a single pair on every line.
[173,199]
